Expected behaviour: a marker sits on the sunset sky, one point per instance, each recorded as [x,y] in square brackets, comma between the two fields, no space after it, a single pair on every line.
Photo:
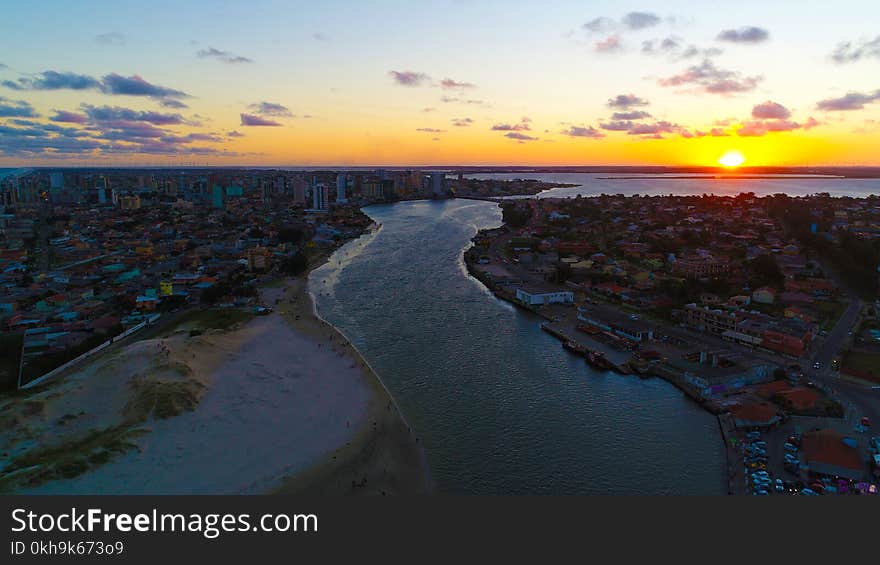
[439,83]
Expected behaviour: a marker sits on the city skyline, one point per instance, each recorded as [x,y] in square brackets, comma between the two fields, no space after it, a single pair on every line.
[469,83]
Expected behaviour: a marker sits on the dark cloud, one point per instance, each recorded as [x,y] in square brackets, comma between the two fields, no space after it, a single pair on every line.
[112,38]
[251,120]
[848,102]
[849,52]
[750,34]
[116,113]
[53,80]
[462,122]
[610,44]
[626,101]
[16,109]
[409,78]
[519,136]
[430,130]
[580,131]
[234,133]
[64,116]
[633,115]
[122,130]
[711,79]
[225,56]
[450,84]
[640,20]
[270,109]
[12,85]
[770,111]
[137,86]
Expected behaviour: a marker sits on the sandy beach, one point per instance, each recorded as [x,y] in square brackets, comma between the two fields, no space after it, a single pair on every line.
[280,403]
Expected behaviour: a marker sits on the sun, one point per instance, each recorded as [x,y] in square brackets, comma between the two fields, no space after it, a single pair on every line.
[732,159]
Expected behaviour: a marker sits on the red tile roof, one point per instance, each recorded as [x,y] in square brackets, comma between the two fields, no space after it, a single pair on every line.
[826,446]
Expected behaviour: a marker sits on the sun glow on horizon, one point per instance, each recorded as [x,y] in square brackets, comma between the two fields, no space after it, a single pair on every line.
[732,159]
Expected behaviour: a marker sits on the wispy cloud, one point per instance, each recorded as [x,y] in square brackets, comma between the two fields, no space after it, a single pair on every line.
[450,84]
[519,136]
[270,109]
[409,78]
[749,34]
[581,131]
[224,56]
[430,130]
[848,102]
[611,44]
[708,78]
[462,122]
[320,36]
[850,52]
[626,101]
[252,120]
[111,38]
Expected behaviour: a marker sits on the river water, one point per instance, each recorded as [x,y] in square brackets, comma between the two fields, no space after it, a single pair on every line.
[500,407]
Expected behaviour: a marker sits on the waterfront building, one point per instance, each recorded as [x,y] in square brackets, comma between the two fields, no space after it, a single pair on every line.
[438,184]
[540,297]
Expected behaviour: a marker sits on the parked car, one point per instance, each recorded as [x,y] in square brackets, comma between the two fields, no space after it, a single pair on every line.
[790,448]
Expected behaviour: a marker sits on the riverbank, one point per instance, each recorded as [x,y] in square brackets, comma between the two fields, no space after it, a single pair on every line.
[384,456]
[222,403]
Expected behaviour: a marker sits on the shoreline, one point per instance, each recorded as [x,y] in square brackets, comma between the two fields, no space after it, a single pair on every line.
[385,458]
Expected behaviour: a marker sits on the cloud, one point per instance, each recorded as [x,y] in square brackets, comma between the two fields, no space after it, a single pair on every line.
[137,86]
[640,20]
[454,100]
[409,78]
[519,136]
[462,122]
[599,25]
[2,66]
[770,111]
[748,34]
[626,101]
[449,84]
[633,21]
[112,38]
[633,115]
[16,109]
[320,36]
[116,113]
[618,125]
[234,133]
[674,48]
[655,129]
[251,120]
[850,101]
[712,80]
[431,130]
[522,126]
[579,131]
[69,117]
[225,56]
[173,104]
[610,44]
[848,52]
[758,128]
[53,80]
[270,109]
[426,110]
[718,132]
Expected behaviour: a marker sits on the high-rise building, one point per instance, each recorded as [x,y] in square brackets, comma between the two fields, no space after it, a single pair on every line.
[56,180]
[319,196]
[438,184]
[299,190]
[217,199]
[341,185]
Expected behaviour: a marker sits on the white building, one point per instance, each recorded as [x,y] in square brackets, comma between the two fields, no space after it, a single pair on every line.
[539,298]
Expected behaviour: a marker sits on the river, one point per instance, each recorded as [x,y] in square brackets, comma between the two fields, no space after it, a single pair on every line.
[499,406]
